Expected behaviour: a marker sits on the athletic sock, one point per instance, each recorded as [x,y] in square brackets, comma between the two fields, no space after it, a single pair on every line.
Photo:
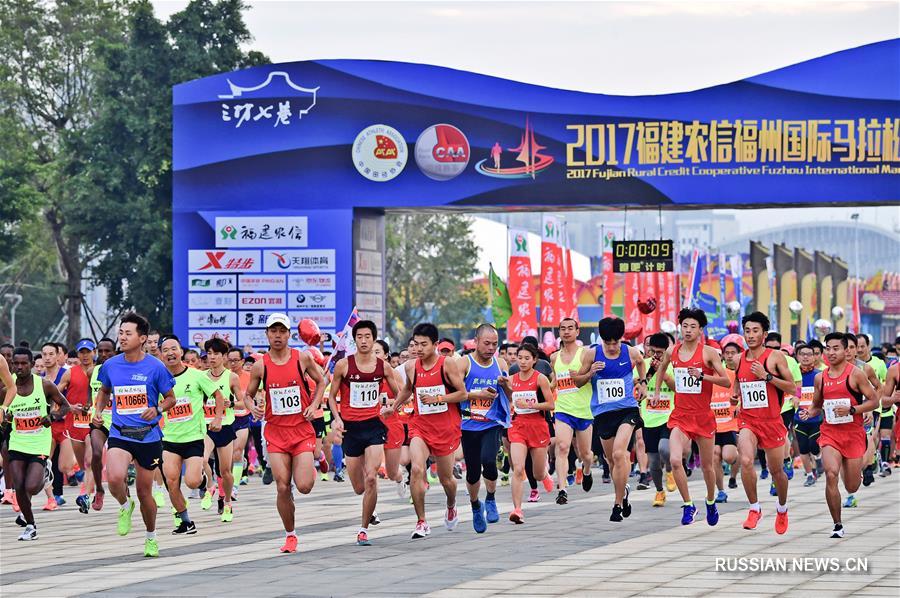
[237,470]
[489,496]
[710,502]
[290,533]
[183,515]
[755,507]
[781,508]
[337,455]
[151,535]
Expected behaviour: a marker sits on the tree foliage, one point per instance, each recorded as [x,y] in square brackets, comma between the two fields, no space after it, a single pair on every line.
[431,259]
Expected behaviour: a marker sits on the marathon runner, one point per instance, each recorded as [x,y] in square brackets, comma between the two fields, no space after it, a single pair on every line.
[883,418]
[185,429]
[241,424]
[62,456]
[30,436]
[359,378]
[574,418]
[99,433]
[789,404]
[288,408]
[485,414]
[839,392]
[394,457]
[140,388]
[435,427]
[762,380]
[870,425]
[614,403]
[222,439]
[656,416]
[75,385]
[807,430]
[726,424]
[532,399]
[697,367]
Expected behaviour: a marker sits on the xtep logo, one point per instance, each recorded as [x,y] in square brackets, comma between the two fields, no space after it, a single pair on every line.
[213,260]
[528,153]
[217,261]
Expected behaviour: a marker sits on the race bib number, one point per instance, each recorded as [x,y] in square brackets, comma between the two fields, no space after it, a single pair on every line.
[806,397]
[527,398]
[131,400]
[565,384]
[209,410]
[81,420]
[722,411]
[479,408]
[430,391]
[685,383]
[829,405]
[663,405]
[182,411]
[286,401]
[364,394]
[754,395]
[29,421]
[609,391]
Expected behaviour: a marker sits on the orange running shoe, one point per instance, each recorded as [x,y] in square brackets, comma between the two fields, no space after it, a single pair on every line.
[781,522]
[579,475]
[7,497]
[290,544]
[548,484]
[752,519]
[15,503]
[51,505]
[517,517]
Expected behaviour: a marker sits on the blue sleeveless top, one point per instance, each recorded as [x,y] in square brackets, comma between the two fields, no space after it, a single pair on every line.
[613,386]
[475,412]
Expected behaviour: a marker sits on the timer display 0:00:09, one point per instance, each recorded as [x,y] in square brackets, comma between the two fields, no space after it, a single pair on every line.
[641,249]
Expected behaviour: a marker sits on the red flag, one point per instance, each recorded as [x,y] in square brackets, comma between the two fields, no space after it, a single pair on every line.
[523,321]
[855,323]
[571,295]
[552,275]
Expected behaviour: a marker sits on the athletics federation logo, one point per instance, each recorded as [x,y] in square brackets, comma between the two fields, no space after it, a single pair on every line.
[379,153]
[528,153]
[442,152]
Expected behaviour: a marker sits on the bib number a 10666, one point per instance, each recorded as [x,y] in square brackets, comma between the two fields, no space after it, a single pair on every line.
[754,395]
[286,401]
[686,384]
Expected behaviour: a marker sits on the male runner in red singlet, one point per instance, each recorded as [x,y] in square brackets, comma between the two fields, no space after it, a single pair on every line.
[760,383]
[839,390]
[435,427]
[288,410]
[76,386]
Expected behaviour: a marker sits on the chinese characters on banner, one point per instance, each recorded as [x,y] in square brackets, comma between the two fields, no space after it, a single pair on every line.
[552,293]
[523,321]
[609,277]
[571,296]
[632,315]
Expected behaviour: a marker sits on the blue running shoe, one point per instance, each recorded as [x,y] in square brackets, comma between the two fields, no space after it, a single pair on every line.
[789,470]
[722,496]
[851,502]
[764,474]
[687,515]
[478,521]
[490,509]
[712,514]
[570,480]
[772,490]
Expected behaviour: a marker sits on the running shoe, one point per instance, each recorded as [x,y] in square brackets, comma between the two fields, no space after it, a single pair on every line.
[185,529]
[781,522]
[432,477]
[606,479]
[457,471]
[220,505]
[206,501]
[587,481]
[51,505]
[29,534]
[82,502]
[20,521]
[266,480]
[670,481]
[548,484]
[7,497]
[374,520]
[97,503]
[227,514]
[159,497]
[626,506]
[850,502]
[151,547]
[712,514]
[422,530]
[290,544]
[504,479]
[451,519]
[687,514]
[490,509]
[764,474]
[772,490]
[616,514]
[517,517]
[810,479]
[660,499]
[789,470]
[726,468]
[643,481]
[534,496]
[579,476]
[838,531]
[732,483]
[234,494]
[362,538]
[868,475]
[885,470]
[59,499]
[562,497]
[570,480]
[752,519]
[722,496]
[131,475]
[402,489]
[478,520]
[244,481]
[339,475]
[125,511]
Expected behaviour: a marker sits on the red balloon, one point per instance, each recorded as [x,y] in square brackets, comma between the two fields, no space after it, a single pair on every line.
[309,332]
[632,331]
[317,356]
[647,305]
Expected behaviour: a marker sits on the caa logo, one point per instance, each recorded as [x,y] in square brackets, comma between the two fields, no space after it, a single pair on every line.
[442,152]
[379,153]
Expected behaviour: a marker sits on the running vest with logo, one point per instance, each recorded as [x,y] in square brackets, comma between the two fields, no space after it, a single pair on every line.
[223,385]
[440,420]
[77,394]
[836,392]
[613,386]
[720,403]
[808,380]
[570,399]
[529,392]
[240,410]
[95,388]
[287,394]
[361,391]
[28,433]
[185,421]
[478,378]
[758,399]
[691,395]
[657,416]
[794,367]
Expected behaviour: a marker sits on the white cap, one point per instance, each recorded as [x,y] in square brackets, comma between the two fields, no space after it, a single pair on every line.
[278,318]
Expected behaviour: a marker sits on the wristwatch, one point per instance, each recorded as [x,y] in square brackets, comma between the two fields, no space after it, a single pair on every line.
[852,409]
[768,377]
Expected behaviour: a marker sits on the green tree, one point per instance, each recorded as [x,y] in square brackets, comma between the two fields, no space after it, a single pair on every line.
[431,261]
